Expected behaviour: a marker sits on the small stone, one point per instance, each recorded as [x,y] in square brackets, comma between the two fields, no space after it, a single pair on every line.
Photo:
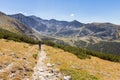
[20,68]
[58,75]
[25,74]
[28,70]
[49,75]
[67,77]
[49,65]
[41,70]
[13,71]
[53,64]
[55,70]
[24,58]
[12,75]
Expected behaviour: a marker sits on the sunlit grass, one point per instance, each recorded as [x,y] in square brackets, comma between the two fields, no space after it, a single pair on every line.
[67,63]
[83,69]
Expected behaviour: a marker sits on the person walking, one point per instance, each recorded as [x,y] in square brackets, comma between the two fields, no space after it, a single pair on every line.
[39,43]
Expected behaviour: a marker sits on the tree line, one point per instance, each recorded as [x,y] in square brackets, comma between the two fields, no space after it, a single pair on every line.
[5,34]
[84,53]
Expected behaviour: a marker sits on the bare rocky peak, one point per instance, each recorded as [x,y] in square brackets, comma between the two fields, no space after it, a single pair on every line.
[74,28]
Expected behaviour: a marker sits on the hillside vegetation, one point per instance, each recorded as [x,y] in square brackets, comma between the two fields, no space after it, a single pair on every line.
[83,53]
[106,47]
[102,46]
[5,34]
[83,69]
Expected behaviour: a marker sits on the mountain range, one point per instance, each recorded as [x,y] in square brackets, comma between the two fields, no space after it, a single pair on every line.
[76,29]
[102,37]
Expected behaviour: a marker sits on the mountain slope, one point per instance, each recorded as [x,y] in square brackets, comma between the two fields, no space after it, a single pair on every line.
[12,24]
[29,21]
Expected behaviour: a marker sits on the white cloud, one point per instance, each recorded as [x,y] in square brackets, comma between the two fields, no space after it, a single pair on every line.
[72,15]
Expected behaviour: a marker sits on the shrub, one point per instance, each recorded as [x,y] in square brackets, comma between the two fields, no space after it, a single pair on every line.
[35,56]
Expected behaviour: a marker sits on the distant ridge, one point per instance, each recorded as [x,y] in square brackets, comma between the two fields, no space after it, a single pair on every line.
[52,27]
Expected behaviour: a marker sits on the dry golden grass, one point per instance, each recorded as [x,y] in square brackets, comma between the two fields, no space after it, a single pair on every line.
[102,69]
[16,58]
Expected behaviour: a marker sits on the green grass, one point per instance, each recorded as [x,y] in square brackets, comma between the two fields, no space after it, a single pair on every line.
[78,75]
[35,56]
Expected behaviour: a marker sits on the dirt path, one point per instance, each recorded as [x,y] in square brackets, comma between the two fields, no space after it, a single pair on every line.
[44,71]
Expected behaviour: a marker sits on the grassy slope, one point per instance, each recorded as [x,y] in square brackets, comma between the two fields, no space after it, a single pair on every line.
[85,69]
[18,54]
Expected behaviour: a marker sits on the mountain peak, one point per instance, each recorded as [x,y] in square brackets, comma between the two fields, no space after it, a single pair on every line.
[75,21]
[53,20]
[20,14]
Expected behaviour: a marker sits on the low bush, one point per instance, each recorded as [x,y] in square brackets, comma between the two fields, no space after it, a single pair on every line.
[35,56]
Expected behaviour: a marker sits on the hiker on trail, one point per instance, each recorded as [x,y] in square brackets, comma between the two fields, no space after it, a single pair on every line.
[39,43]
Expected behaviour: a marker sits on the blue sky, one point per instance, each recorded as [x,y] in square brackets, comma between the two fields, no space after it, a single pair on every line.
[85,11]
